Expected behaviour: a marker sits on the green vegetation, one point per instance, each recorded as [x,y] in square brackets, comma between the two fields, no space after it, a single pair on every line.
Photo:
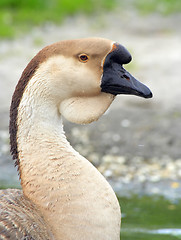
[145,214]
[161,6]
[144,236]
[20,15]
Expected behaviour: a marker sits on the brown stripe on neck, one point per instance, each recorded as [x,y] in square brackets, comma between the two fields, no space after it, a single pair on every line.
[18,93]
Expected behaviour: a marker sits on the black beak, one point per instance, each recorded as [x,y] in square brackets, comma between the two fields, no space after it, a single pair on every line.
[116,80]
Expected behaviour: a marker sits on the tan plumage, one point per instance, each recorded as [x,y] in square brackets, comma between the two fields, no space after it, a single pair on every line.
[64,196]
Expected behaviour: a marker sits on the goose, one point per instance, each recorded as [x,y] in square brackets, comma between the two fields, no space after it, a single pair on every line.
[63,196]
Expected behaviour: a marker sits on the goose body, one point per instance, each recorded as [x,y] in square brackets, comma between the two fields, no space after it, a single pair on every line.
[63,195]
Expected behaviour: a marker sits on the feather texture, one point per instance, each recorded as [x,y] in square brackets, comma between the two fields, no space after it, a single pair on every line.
[19,218]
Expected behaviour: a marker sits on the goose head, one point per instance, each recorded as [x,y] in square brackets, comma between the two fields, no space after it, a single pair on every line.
[81,77]
[95,76]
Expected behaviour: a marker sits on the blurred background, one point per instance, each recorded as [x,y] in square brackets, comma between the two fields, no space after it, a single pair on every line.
[136,145]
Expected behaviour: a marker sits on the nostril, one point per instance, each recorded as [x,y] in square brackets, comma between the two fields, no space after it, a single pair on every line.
[125,76]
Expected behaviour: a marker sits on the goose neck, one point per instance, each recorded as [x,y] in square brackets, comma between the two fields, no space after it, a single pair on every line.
[64,185]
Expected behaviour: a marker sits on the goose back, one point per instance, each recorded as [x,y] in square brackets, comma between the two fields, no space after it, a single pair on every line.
[19,218]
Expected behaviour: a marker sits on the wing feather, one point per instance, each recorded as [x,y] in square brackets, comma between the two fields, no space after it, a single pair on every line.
[20,219]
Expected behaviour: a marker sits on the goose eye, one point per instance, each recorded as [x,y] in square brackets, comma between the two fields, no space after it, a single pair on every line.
[83,57]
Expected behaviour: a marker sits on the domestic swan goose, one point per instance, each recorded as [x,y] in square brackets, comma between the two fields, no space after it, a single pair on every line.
[63,195]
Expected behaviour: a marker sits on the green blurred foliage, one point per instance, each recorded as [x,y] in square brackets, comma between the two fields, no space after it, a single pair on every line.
[147,236]
[22,14]
[149,213]
[164,7]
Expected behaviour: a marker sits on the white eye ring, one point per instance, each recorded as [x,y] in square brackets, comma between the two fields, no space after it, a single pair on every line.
[83,57]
